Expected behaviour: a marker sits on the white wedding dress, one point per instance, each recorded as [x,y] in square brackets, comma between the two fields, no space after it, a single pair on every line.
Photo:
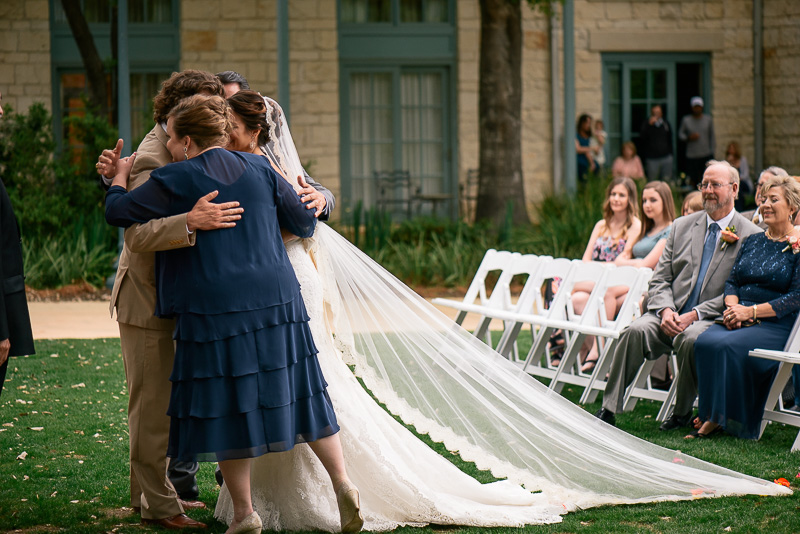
[449,385]
[401,480]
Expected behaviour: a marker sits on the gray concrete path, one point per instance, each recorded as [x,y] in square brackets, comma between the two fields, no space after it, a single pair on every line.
[91,320]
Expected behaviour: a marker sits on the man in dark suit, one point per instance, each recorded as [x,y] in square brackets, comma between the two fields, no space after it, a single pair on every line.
[684,296]
[16,338]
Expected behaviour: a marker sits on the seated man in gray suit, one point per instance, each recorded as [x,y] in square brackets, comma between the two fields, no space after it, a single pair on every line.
[684,296]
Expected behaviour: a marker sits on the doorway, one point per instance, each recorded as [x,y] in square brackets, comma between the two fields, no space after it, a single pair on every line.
[633,83]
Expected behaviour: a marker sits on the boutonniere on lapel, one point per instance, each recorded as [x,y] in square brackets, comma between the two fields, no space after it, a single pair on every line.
[728,236]
[794,244]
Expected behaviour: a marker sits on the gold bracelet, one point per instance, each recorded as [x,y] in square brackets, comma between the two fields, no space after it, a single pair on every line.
[755,312]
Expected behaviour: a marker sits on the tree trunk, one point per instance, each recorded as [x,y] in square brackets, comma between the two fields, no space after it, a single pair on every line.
[499,109]
[95,72]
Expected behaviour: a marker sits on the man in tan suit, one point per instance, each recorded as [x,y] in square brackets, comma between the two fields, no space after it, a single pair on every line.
[684,296]
[147,345]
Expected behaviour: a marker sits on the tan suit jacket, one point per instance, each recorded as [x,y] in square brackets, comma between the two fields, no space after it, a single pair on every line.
[134,292]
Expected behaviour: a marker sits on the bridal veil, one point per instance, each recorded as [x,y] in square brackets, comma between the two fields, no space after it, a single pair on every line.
[449,385]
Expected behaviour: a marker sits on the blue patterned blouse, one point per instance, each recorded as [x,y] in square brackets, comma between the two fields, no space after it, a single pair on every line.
[764,273]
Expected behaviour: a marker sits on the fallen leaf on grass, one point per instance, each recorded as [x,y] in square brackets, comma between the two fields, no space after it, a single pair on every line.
[81,385]
[74,502]
[727,529]
[22,455]
[36,428]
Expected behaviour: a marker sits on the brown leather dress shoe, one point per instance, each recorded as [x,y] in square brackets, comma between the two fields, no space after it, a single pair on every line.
[192,505]
[176,522]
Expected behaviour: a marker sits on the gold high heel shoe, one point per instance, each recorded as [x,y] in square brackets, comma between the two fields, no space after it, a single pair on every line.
[249,525]
[349,507]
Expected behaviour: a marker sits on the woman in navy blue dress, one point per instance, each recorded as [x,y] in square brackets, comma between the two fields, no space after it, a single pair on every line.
[246,380]
[763,287]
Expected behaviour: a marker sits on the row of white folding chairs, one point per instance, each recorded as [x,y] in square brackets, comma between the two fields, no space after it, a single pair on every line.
[530,312]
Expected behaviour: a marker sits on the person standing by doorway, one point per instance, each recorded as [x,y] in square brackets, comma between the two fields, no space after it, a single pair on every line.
[655,140]
[697,131]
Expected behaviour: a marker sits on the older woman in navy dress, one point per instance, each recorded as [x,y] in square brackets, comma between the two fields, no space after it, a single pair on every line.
[246,380]
[764,285]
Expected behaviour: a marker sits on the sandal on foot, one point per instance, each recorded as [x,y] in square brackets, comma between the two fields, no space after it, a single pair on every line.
[588,365]
[696,434]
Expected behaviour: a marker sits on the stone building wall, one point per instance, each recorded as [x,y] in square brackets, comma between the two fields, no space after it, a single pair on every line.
[782,84]
[25,53]
[242,36]
[239,36]
[314,89]
[722,27]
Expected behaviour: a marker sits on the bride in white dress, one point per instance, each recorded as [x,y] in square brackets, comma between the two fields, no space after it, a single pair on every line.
[449,385]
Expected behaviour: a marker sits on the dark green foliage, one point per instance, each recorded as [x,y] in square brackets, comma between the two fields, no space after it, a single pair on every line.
[440,252]
[565,222]
[57,197]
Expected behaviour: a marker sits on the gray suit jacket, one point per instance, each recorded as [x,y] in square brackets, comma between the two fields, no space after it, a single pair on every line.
[679,266]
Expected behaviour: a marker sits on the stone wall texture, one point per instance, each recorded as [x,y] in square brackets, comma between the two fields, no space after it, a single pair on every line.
[25,53]
[217,35]
[722,27]
[241,36]
[782,84]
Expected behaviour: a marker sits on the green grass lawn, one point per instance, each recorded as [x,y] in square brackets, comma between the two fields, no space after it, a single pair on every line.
[64,464]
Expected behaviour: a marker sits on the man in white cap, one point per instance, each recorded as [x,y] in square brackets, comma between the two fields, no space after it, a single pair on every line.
[697,131]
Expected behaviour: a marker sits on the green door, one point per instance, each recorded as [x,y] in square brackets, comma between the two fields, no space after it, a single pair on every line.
[634,82]
[643,86]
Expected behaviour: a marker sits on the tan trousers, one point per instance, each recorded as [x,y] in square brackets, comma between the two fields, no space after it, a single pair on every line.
[148,355]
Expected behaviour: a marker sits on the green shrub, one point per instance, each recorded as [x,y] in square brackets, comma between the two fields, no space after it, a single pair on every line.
[57,197]
[440,252]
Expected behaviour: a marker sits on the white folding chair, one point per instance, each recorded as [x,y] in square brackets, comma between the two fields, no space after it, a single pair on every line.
[788,358]
[530,311]
[478,295]
[594,322]
[526,264]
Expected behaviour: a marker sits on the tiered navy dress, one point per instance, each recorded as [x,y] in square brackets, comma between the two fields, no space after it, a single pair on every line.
[732,386]
[246,380]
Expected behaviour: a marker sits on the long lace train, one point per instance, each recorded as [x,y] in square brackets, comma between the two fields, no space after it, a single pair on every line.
[440,379]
